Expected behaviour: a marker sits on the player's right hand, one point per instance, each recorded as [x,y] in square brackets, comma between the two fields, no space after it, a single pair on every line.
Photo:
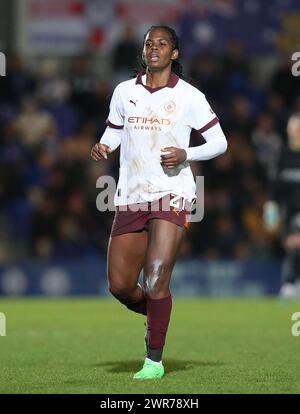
[100,151]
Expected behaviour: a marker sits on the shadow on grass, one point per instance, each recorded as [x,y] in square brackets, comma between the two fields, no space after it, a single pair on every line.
[171,365]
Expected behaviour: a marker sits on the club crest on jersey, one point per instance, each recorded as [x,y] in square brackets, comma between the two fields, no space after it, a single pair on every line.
[170,106]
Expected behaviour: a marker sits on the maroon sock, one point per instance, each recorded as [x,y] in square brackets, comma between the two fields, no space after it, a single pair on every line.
[140,306]
[158,316]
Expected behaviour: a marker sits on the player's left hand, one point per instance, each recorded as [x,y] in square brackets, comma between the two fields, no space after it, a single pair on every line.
[174,157]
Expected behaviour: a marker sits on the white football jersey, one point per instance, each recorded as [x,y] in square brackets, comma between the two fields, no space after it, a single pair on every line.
[152,119]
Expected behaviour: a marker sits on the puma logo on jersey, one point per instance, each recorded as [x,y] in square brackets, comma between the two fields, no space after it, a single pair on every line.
[133,102]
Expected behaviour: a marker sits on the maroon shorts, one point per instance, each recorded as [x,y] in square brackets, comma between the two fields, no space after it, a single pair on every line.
[135,217]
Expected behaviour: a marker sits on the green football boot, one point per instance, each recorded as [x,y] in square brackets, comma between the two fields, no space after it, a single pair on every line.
[150,370]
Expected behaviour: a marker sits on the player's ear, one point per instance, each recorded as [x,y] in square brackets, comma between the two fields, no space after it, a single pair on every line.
[175,54]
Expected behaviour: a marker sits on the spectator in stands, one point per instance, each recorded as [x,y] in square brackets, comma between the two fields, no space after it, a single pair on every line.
[125,56]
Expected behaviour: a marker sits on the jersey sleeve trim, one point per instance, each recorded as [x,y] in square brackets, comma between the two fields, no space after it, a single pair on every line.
[108,123]
[209,125]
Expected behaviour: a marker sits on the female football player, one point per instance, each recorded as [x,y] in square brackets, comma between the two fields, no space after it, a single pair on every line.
[151,118]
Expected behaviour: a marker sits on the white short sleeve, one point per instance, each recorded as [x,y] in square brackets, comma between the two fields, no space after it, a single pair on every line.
[116,111]
[200,115]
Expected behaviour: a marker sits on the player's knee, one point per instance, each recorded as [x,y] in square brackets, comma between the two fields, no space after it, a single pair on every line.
[157,280]
[118,289]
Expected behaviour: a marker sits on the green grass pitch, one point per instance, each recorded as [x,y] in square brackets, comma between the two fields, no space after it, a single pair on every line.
[95,345]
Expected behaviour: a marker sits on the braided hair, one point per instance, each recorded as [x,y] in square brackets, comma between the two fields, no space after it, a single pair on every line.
[176,65]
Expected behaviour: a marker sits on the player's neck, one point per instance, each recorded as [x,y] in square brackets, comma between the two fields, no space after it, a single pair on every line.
[158,79]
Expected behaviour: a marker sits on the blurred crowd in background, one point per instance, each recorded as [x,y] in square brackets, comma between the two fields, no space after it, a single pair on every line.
[52,114]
